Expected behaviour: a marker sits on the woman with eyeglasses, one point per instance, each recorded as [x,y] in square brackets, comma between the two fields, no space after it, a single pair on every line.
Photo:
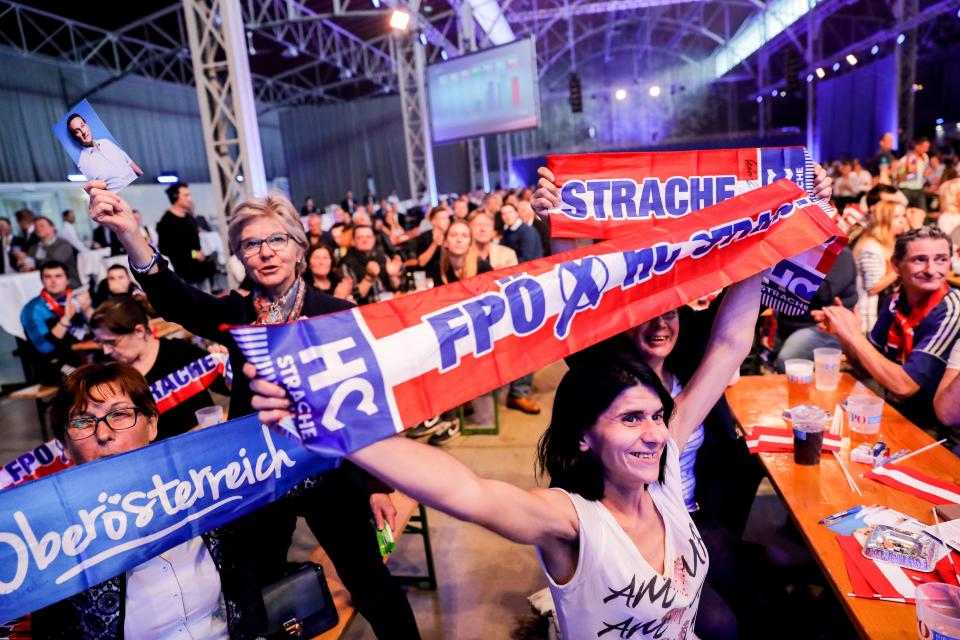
[107,409]
[267,235]
[121,327]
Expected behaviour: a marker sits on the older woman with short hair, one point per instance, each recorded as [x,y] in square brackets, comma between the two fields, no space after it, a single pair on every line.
[267,235]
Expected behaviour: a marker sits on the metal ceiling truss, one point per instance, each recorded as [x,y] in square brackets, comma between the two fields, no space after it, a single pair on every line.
[411,77]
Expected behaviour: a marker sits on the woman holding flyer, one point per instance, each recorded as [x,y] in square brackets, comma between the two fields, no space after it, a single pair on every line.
[615,517]
[267,235]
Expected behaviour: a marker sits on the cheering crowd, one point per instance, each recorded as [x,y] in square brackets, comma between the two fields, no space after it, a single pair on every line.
[640,444]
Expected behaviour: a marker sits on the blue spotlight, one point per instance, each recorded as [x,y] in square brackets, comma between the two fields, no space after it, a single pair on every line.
[836,66]
[443,53]
[901,38]
[423,39]
[809,77]
[875,49]
[759,99]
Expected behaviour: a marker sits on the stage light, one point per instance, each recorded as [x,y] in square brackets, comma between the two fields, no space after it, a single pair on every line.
[76,177]
[821,73]
[836,66]
[939,128]
[916,87]
[809,77]
[875,49]
[239,178]
[654,91]
[423,39]
[376,4]
[851,59]
[759,99]
[620,94]
[783,94]
[400,20]
[167,178]
[773,94]
[901,38]
[939,120]
[290,52]
[443,54]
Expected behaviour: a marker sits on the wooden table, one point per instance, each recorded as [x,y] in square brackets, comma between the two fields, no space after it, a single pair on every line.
[811,493]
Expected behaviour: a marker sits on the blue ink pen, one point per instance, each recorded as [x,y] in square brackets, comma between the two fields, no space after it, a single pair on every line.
[842,514]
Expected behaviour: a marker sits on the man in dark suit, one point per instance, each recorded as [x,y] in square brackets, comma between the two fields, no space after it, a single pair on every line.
[348,203]
[103,237]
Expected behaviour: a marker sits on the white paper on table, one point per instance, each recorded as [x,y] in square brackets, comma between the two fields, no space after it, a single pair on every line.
[836,427]
[946,532]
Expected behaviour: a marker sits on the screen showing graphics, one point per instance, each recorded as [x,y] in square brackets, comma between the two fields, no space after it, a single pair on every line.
[491,91]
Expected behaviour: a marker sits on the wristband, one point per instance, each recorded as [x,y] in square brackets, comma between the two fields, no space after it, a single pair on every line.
[149,265]
[65,326]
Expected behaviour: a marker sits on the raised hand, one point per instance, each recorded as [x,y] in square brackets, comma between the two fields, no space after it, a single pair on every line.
[822,183]
[547,195]
[110,210]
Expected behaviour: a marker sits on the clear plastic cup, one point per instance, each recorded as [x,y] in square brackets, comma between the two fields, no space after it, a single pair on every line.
[826,368]
[809,424]
[799,380]
[209,416]
[419,280]
[864,413]
[938,611]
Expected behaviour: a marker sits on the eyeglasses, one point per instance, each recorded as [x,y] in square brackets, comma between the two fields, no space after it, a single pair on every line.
[118,420]
[110,342]
[276,242]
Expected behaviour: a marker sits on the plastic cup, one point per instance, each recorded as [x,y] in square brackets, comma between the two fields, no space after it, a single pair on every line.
[799,380]
[419,280]
[809,425]
[863,414]
[209,416]
[938,611]
[826,369]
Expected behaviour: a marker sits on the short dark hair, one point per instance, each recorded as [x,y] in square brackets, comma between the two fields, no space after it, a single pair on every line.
[357,227]
[49,265]
[45,219]
[173,191]
[92,382]
[923,233]
[873,196]
[921,140]
[433,212]
[584,393]
[70,119]
[120,315]
[118,267]
[65,213]
[25,214]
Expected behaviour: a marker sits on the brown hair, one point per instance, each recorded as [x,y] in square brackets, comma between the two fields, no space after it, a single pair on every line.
[120,315]
[880,227]
[469,259]
[95,382]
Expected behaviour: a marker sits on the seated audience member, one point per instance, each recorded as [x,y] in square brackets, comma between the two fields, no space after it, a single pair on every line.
[384,245]
[911,172]
[322,273]
[55,320]
[69,232]
[541,226]
[370,270]
[7,263]
[461,208]
[845,185]
[117,283]
[863,179]
[104,410]
[51,247]
[872,252]
[308,207]
[947,400]
[519,236]
[915,330]
[393,227]
[122,328]
[949,195]
[104,238]
[458,256]
[342,234]
[26,236]
[428,243]
[315,233]
[799,335]
[499,256]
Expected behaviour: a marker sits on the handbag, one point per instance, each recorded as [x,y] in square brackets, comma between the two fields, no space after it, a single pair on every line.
[300,605]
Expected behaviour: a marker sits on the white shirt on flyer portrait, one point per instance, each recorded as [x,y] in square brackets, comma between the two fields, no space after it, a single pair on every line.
[176,594]
[108,162]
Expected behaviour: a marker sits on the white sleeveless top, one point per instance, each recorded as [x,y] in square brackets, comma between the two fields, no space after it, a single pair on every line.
[614,592]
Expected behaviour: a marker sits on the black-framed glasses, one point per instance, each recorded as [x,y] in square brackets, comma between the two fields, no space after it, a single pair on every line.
[276,242]
[118,420]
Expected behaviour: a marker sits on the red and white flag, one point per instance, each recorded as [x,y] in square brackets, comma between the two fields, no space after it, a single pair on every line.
[916,483]
[878,579]
[775,440]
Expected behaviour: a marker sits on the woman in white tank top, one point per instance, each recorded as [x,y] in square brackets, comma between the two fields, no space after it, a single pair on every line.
[622,556]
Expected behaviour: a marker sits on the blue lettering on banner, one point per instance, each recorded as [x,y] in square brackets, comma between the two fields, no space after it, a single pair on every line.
[776,164]
[582,284]
[623,199]
[81,526]
[792,278]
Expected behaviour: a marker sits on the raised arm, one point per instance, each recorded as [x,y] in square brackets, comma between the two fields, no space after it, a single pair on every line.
[539,516]
[730,342]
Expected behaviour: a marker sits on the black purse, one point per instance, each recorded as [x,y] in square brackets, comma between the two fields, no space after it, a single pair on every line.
[300,605]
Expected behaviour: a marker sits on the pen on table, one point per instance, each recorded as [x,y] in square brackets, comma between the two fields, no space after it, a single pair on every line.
[842,514]
[898,454]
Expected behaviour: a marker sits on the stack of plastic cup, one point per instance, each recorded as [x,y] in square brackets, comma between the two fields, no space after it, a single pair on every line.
[938,611]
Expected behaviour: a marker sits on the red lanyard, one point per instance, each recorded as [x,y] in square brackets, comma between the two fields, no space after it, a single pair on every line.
[900,335]
[52,303]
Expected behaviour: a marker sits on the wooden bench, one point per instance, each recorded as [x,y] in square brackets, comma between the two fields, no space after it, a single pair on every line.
[41,394]
[411,518]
